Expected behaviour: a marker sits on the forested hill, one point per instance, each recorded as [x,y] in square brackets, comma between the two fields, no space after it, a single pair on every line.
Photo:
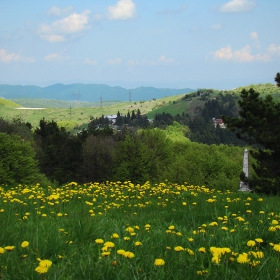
[87,92]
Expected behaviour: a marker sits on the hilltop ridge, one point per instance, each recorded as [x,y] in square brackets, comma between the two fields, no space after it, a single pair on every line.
[87,92]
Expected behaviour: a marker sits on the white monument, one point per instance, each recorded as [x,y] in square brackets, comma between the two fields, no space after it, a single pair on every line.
[244,186]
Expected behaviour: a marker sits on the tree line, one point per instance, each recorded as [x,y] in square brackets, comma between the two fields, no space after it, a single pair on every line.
[56,156]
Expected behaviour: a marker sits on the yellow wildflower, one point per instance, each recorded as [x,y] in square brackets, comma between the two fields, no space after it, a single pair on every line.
[251,243]
[24,244]
[159,262]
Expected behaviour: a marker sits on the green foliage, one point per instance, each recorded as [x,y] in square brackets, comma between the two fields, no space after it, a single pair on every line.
[132,160]
[17,161]
[97,162]
[258,124]
[277,79]
[60,153]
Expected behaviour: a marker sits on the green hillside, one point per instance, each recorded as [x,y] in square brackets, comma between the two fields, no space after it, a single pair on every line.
[189,102]
[8,103]
[78,113]
[75,114]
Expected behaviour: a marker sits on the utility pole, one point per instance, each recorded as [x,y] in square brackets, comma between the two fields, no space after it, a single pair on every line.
[101,101]
[70,113]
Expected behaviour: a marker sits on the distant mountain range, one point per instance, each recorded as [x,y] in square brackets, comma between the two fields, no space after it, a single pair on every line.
[87,92]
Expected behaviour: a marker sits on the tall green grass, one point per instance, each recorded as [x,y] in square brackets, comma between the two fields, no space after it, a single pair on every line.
[193,231]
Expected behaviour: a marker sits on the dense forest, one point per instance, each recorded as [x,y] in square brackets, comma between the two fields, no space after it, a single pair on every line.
[100,155]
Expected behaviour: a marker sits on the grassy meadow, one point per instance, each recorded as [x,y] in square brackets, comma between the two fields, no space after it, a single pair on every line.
[121,230]
[77,116]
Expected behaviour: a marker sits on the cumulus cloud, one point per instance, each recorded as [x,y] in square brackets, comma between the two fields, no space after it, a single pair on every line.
[115,61]
[164,59]
[123,10]
[242,55]
[64,29]
[55,57]
[274,49]
[90,62]
[7,57]
[237,6]
[56,11]
[255,37]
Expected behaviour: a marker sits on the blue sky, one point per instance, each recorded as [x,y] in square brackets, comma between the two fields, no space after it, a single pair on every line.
[204,43]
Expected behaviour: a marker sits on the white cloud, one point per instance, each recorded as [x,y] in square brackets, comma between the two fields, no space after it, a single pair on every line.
[115,61]
[273,49]
[164,59]
[56,11]
[123,10]
[242,55]
[216,26]
[64,29]
[255,37]
[10,57]
[55,57]
[237,6]
[90,62]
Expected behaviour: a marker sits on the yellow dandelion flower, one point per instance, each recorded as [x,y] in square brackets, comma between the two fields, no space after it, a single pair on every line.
[130,229]
[10,248]
[99,241]
[191,252]
[171,227]
[274,222]
[243,258]
[137,243]
[272,229]
[190,239]
[2,250]
[213,224]
[105,253]
[254,263]
[251,243]
[179,248]
[128,255]
[120,252]
[41,269]
[115,235]
[216,259]
[202,250]
[46,263]
[159,262]
[259,240]
[276,247]
[109,244]
[259,255]
[24,244]
[126,238]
